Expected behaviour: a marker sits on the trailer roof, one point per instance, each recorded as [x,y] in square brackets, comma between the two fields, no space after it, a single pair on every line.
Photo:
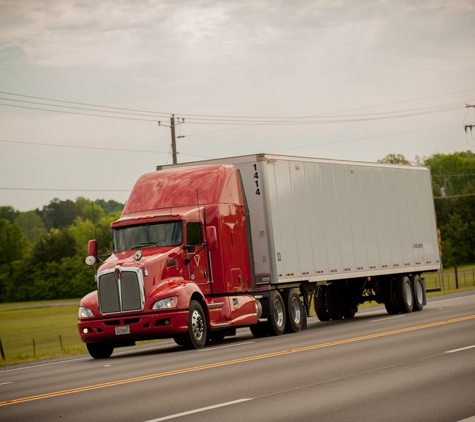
[271,158]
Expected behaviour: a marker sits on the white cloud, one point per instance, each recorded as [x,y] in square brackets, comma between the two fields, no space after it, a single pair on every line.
[241,57]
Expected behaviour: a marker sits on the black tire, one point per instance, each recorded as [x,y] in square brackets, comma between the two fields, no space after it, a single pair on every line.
[418,289]
[349,311]
[259,330]
[293,310]
[195,337]
[178,340]
[334,310]
[320,304]
[389,296]
[100,350]
[277,318]
[217,335]
[404,294]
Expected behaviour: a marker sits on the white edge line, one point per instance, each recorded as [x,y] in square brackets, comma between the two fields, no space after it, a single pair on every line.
[387,318]
[34,365]
[203,409]
[459,350]
[210,349]
[6,383]
[472,419]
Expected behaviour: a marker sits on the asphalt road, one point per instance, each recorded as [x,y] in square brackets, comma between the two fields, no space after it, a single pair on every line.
[412,367]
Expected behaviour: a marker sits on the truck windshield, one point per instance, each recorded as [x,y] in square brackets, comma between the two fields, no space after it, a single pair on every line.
[147,236]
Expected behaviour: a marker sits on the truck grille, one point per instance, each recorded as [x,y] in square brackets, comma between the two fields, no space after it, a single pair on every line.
[120,295]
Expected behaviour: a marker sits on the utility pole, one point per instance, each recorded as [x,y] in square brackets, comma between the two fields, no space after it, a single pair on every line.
[172,127]
[469,126]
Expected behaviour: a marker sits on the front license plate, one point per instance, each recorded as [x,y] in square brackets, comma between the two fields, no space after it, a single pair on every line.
[122,330]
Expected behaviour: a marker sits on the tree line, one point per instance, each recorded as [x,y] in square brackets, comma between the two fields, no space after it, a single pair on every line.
[453,186]
[42,251]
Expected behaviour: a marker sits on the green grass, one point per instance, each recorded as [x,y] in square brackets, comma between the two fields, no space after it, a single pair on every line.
[35,331]
[466,279]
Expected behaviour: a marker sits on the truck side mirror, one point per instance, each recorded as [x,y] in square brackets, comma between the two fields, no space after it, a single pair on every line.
[211,238]
[91,252]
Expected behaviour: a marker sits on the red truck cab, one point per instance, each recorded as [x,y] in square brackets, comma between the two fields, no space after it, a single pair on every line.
[180,267]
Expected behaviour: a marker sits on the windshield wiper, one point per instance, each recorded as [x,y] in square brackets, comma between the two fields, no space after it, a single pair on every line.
[145,244]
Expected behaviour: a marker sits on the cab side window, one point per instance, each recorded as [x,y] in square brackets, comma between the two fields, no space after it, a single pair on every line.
[193,234]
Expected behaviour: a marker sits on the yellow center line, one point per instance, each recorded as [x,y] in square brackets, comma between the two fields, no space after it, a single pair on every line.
[232,362]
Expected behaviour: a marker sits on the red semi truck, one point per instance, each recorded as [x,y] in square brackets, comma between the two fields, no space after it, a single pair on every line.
[254,241]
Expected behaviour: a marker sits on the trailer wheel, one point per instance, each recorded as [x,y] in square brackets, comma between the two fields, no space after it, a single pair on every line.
[404,294]
[195,337]
[349,311]
[100,350]
[320,303]
[389,296]
[293,308]
[334,310]
[276,321]
[418,293]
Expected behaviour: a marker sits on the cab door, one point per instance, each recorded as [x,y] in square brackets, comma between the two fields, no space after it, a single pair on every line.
[198,271]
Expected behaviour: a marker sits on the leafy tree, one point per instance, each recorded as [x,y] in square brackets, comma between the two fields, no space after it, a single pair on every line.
[89,210]
[83,231]
[53,247]
[452,173]
[13,245]
[110,207]
[31,224]
[53,267]
[453,182]
[394,159]
[8,213]
[59,214]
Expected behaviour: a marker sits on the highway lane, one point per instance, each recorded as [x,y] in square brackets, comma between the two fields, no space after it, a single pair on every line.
[418,366]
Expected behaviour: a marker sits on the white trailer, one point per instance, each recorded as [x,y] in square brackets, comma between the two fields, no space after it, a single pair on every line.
[343,232]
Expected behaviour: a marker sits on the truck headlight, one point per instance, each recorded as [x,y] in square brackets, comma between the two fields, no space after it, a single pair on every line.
[168,303]
[84,312]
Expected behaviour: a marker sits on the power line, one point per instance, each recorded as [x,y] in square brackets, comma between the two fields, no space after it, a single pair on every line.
[82,147]
[297,121]
[200,156]
[227,120]
[80,114]
[168,114]
[365,138]
[93,148]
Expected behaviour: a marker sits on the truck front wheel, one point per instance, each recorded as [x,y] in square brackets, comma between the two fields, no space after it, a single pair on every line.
[100,350]
[195,337]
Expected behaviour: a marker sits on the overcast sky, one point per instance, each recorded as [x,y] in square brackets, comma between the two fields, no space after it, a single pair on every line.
[348,79]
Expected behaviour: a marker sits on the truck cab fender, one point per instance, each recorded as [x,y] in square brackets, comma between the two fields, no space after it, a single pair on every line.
[184,290]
